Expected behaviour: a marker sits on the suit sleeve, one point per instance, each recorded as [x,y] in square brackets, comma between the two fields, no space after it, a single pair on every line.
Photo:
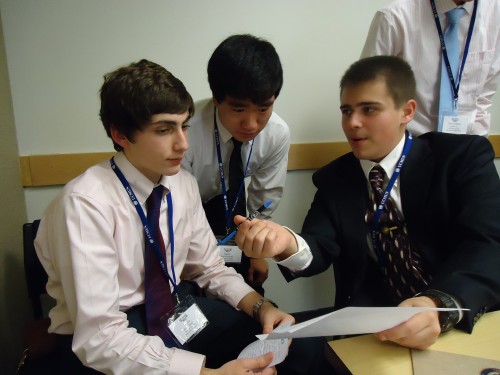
[471,271]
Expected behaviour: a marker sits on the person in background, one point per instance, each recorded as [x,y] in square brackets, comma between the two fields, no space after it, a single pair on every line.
[114,241]
[245,77]
[410,30]
[405,221]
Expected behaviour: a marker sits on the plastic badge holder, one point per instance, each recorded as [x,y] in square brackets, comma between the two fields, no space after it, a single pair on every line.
[185,321]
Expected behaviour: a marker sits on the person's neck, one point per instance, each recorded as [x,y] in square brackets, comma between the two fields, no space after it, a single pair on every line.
[155,178]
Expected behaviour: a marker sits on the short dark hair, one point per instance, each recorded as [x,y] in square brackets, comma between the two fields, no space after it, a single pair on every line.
[245,67]
[132,94]
[398,75]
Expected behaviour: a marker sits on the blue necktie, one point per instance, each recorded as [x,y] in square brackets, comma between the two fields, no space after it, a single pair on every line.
[157,288]
[446,100]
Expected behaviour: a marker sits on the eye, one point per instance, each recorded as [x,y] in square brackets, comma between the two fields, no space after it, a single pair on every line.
[346,111]
[163,130]
[185,127]
[264,109]
[369,110]
[238,109]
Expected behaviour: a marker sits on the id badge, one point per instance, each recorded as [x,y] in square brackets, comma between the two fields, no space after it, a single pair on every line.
[230,251]
[456,123]
[185,321]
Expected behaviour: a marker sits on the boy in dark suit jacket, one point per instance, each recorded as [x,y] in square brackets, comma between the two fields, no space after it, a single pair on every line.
[443,200]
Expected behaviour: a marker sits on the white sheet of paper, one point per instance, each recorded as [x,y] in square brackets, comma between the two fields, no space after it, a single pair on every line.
[349,321]
[279,347]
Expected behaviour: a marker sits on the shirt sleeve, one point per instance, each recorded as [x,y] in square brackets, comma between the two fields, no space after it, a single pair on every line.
[187,160]
[268,181]
[384,37]
[203,264]
[301,259]
[77,247]
[485,96]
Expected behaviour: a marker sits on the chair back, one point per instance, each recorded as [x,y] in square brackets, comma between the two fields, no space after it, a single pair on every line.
[36,277]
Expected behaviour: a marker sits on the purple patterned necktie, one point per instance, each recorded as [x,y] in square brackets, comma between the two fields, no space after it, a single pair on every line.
[157,288]
[403,266]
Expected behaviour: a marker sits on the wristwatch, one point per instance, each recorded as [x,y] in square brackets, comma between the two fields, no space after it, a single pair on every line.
[258,305]
[447,319]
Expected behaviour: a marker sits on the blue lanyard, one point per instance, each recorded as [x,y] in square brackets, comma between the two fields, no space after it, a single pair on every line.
[376,217]
[454,86]
[147,230]
[222,179]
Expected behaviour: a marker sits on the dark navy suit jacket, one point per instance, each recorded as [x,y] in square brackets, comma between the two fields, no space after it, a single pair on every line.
[450,193]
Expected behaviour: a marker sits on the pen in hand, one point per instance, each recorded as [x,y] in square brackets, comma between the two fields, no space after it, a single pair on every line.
[252,216]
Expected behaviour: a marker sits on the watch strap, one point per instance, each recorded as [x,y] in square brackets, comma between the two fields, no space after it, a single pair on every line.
[447,319]
[258,305]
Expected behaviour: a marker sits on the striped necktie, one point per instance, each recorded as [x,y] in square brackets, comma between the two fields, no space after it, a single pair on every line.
[403,266]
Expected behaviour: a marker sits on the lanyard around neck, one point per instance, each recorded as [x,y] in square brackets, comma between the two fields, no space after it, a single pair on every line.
[147,229]
[394,177]
[454,86]
[228,211]
[378,213]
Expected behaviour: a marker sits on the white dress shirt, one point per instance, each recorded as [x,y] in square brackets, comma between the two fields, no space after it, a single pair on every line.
[91,243]
[406,28]
[267,167]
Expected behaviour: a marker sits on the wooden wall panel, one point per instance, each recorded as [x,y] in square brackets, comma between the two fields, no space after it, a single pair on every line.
[57,169]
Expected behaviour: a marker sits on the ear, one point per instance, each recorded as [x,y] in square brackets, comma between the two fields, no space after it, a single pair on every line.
[118,137]
[216,103]
[408,109]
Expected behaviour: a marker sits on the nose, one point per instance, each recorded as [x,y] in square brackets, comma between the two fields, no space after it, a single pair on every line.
[250,121]
[181,141]
[353,120]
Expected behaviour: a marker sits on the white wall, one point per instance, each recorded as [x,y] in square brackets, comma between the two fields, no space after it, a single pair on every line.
[58,51]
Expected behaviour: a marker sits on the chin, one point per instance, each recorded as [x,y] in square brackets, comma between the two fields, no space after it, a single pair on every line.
[171,171]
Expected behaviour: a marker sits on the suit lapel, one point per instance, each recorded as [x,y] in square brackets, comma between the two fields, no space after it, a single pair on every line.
[353,203]
[415,181]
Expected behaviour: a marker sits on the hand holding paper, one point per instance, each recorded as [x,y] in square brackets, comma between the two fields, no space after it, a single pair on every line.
[278,347]
[349,321]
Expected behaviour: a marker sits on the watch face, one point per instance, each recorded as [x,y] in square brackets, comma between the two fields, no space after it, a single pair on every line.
[448,319]
[445,321]
[490,371]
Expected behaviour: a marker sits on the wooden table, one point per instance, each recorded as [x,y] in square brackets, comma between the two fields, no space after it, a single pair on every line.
[367,355]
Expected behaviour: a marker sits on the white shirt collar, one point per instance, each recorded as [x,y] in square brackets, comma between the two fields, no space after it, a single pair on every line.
[388,163]
[141,185]
[443,6]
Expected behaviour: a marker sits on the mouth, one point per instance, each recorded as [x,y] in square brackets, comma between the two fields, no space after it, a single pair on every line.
[175,160]
[356,140]
[247,135]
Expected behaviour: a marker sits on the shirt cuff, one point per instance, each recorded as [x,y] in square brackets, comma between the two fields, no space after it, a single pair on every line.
[186,363]
[301,259]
